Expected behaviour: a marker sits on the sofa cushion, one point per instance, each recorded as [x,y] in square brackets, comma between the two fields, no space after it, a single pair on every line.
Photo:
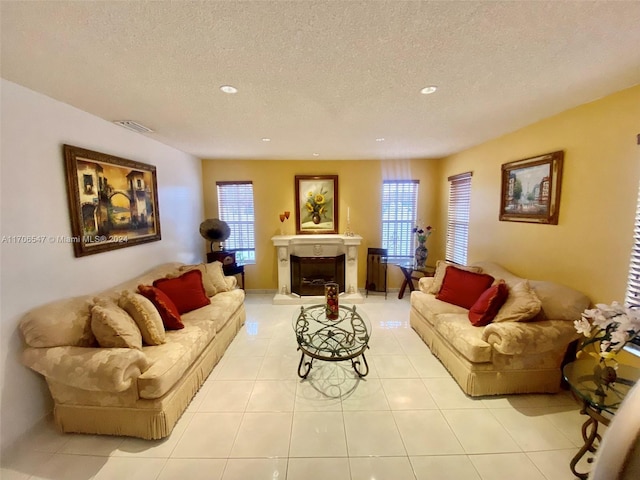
[430,307]
[522,304]
[441,268]
[172,359]
[114,328]
[464,337]
[498,272]
[424,284]
[186,291]
[166,308]
[221,309]
[42,328]
[207,282]
[463,288]
[145,278]
[216,274]
[558,301]
[146,316]
[488,304]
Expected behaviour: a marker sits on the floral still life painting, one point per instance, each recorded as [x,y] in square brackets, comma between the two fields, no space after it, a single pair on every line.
[316,204]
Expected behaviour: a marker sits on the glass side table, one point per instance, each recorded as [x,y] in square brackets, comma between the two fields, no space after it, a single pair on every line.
[345,338]
[599,399]
[408,269]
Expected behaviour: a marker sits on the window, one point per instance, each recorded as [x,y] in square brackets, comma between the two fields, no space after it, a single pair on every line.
[632,298]
[458,218]
[235,206]
[88,184]
[399,207]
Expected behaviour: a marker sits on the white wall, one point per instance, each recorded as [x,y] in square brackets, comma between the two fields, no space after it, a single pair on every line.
[34,202]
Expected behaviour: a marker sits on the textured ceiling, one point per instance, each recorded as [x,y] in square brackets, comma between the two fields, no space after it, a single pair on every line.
[325,77]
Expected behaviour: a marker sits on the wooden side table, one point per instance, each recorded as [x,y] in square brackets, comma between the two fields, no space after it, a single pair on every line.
[409,270]
[228,260]
[230,270]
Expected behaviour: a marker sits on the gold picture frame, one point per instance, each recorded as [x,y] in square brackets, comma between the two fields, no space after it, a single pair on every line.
[531,189]
[113,202]
[316,204]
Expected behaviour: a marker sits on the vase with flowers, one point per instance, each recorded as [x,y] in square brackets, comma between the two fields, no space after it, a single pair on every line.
[316,205]
[607,329]
[421,253]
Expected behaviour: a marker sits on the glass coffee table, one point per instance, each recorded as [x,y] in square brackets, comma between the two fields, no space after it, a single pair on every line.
[320,338]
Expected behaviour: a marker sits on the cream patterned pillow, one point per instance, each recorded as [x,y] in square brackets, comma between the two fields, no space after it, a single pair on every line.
[207,281]
[438,277]
[216,275]
[146,316]
[522,304]
[113,327]
[41,327]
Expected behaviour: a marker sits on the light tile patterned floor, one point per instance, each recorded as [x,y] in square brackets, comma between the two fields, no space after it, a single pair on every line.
[255,419]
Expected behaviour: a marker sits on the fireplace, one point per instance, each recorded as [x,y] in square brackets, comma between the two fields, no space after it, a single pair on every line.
[322,251]
[309,274]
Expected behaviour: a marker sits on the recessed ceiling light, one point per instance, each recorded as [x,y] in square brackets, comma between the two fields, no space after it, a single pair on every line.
[381,139]
[228,89]
[265,139]
[316,154]
[428,90]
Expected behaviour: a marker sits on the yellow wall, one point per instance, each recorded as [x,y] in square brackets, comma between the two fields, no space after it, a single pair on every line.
[590,247]
[359,188]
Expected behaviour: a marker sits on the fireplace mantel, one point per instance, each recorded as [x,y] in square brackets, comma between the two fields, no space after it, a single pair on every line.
[316,246]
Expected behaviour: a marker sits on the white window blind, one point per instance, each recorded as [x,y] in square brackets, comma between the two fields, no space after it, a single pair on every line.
[399,207]
[458,218]
[632,298]
[235,206]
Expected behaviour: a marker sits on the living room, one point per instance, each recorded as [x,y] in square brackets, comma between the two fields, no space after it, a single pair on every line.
[588,250]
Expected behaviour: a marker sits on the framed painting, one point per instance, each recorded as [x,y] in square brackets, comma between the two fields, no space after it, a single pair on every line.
[531,189]
[113,202]
[316,204]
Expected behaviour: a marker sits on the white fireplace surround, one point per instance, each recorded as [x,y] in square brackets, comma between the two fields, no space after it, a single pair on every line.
[316,246]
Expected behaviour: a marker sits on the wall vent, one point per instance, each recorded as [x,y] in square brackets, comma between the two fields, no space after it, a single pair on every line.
[134,126]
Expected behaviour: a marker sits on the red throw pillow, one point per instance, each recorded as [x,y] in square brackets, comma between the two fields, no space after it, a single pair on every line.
[166,308]
[186,291]
[486,307]
[463,288]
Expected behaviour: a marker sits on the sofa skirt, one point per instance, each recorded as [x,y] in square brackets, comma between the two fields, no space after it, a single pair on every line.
[150,419]
[484,379]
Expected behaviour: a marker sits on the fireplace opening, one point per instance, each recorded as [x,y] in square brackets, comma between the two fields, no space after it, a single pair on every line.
[309,274]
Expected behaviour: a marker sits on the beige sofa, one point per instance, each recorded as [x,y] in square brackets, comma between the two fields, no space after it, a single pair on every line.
[502,357]
[127,391]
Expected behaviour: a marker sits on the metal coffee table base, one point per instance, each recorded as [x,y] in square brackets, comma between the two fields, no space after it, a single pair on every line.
[305,367]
